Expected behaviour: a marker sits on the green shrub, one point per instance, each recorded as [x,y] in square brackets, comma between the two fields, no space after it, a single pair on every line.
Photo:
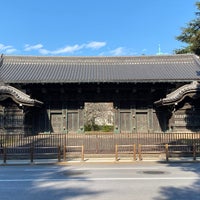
[95,127]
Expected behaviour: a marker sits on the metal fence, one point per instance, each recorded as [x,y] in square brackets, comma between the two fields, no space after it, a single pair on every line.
[14,146]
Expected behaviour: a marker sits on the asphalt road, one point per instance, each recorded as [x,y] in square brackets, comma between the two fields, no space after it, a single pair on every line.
[85,181]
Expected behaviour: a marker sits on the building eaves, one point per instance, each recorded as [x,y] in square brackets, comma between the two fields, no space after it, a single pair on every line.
[179,94]
[18,96]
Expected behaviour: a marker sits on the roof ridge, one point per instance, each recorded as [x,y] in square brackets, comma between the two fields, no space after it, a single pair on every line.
[196,58]
[1,60]
[1,63]
[99,57]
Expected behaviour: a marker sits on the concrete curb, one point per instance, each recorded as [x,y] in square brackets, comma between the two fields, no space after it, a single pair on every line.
[92,160]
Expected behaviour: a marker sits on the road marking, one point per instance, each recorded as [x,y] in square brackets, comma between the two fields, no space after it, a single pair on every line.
[100,179]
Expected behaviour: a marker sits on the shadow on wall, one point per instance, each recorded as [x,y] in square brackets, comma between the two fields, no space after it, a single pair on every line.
[163,115]
[192,118]
[38,120]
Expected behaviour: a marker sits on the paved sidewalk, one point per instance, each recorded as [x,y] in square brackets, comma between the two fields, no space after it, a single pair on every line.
[55,161]
[91,160]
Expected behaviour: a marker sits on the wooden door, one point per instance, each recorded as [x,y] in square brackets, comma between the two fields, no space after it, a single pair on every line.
[142,122]
[125,122]
[72,122]
[56,122]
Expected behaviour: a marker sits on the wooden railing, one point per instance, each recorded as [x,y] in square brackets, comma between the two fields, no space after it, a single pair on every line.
[127,150]
[62,146]
[73,150]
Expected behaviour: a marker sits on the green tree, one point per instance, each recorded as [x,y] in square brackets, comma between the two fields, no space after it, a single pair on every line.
[191,35]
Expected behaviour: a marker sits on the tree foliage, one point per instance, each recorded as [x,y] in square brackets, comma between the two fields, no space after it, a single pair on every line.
[98,116]
[191,35]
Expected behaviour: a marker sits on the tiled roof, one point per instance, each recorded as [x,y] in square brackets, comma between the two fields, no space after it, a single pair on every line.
[34,69]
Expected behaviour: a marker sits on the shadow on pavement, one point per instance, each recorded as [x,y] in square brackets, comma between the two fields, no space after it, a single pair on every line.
[191,192]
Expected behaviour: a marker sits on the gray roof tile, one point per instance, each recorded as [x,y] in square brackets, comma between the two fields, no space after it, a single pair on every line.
[38,69]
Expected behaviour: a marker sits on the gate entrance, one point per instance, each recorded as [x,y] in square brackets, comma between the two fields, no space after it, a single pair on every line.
[98,116]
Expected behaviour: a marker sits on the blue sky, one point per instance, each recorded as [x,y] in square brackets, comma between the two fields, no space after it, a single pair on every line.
[92,27]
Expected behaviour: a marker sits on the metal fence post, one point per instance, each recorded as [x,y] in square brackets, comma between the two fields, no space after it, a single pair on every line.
[140,151]
[31,153]
[64,153]
[134,152]
[116,152]
[167,152]
[59,153]
[4,155]
[194,152]
[82,153]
